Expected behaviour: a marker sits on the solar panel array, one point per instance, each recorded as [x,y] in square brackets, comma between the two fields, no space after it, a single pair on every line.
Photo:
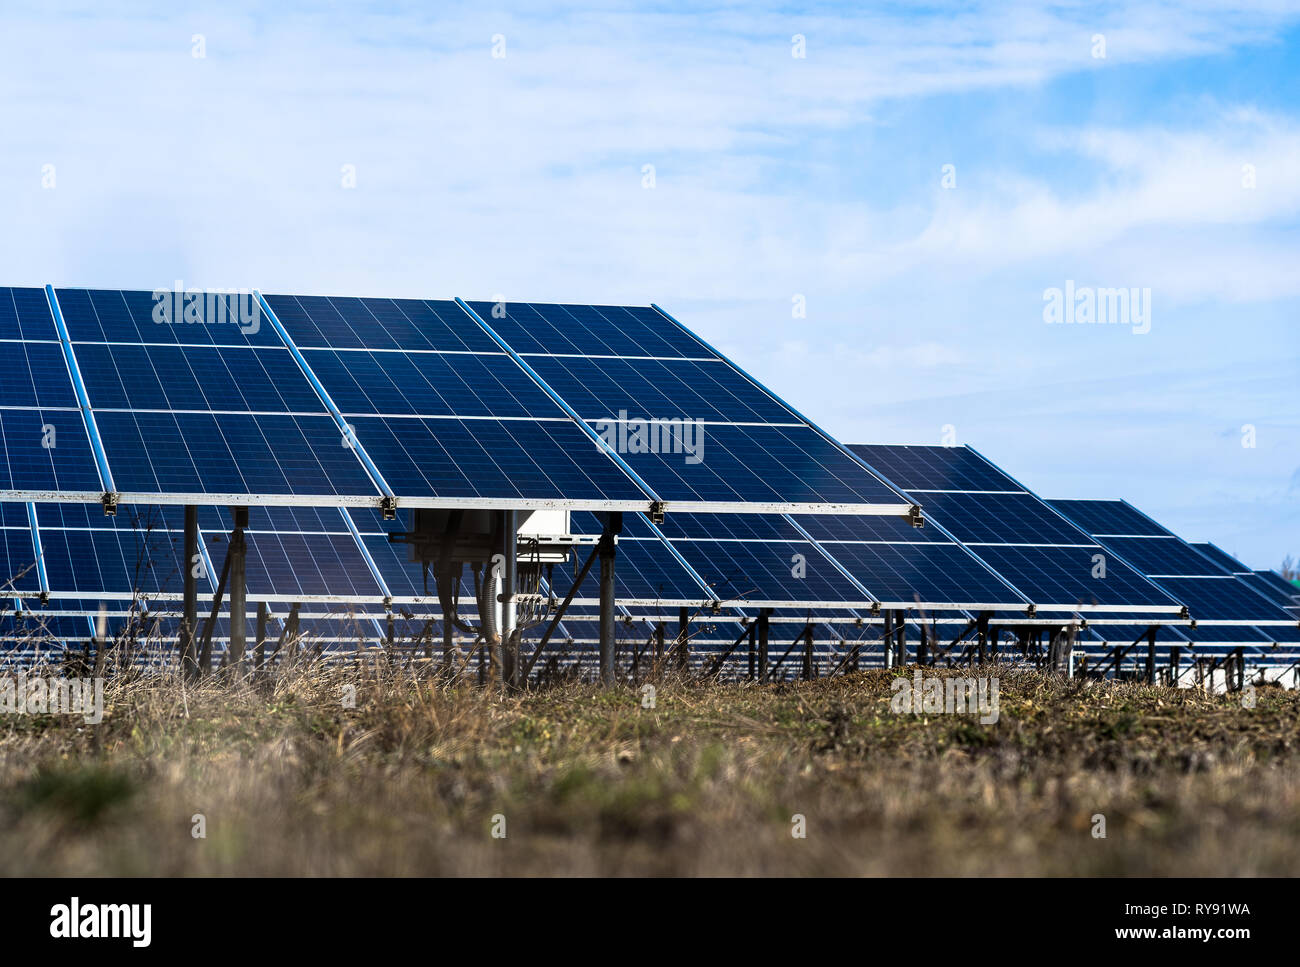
[192,398]
[1038,553]
[332,404]
[1217,597]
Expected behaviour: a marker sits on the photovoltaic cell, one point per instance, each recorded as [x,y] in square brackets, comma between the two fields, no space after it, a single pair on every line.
[1222,599]
[195,378]
[35,374]
[763,571]
[759,527]
[848,527]
[921,572]
[1284,590]
[90,562]
[283,563]
[17,561]
[643,570]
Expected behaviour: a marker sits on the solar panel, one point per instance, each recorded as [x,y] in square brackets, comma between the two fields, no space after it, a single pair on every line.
[1284,590]
[344,401]
[233,454]
[1211,593]
[768,573]
[1047,559]
[1001,519]
[588,330]
[225,410]
[25,315]
[30,467]
[1110,518]
[1224,560]
[429,384]
[932,468]
[1156,556]
[321,322]
[691,389]
[1070,576]
[932,574]
[628,372]
[765,466]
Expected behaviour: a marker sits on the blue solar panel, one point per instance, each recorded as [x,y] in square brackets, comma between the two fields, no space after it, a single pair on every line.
[285,563]
[405,578]
[1162,555]
[761,463]
[588,330]
[1001,519]
[659,389]
[25,314]
[1063,576]
[203,453]
[46,450]
[1223,599]
[90,562]
[643,570]
[518,459]
[934,468]
[763,527]
[195,378]
[934,573]
[349,323]
[36,374]
[1224,560]
[1283,590]
[17,561]
[1232,634]
[1109,517]
[110,315]
[429,384]
[765,571]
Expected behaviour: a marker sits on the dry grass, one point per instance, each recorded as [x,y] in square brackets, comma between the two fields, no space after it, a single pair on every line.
[292,783]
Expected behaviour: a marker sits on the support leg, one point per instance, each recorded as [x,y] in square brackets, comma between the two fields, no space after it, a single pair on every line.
[190,616]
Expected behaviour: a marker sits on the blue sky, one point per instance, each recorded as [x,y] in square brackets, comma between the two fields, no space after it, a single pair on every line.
[774,177]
